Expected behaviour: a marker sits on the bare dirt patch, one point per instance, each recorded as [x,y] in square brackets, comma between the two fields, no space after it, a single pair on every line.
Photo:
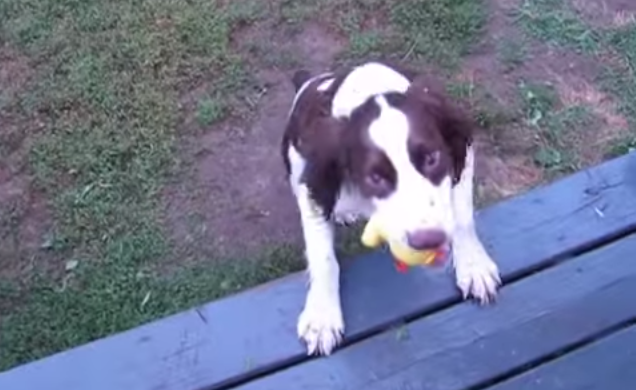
[24,217]
[238,198]
[615,13]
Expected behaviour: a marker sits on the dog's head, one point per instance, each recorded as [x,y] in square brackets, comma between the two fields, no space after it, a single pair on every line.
[404,152]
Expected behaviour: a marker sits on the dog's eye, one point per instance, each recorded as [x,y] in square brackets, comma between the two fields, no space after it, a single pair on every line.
[426,162]
[430,160]
[378,183]
[375,179]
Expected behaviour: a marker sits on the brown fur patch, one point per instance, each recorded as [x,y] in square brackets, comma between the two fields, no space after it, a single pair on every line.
[454,125]
[316,135]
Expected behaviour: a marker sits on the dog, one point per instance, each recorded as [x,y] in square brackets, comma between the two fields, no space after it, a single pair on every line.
[378,140]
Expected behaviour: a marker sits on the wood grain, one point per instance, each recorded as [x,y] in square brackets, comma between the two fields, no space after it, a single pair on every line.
[465,346]
[606,364]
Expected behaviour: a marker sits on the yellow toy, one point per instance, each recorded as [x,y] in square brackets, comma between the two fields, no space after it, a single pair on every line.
[374,235]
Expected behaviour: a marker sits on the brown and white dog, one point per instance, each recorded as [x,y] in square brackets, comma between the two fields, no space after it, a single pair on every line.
[377,140]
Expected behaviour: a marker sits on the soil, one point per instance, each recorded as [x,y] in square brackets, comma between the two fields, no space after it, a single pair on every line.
[607,12]
[238,198]
[24,217]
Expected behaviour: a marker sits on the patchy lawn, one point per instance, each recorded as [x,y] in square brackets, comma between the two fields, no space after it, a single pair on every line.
[139,165]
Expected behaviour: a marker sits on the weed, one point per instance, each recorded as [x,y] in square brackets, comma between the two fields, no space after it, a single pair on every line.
[209,111]
[271,56]
[294,13]
[487,112]
[621,147]
[538,101]
[512,54]
[440,31]
[554,126]
[462,90]
[365,44]
[552,22]
[619,78]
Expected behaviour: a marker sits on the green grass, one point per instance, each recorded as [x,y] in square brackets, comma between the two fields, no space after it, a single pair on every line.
[511,54]
[106,87]
[619,79]
[210,110]
[555,22]
[439,31]
[96,300]
[554,127]
[486,110]
[551,21]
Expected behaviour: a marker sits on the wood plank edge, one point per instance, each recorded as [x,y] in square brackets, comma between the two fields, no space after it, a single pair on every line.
[574,347]
[609,335]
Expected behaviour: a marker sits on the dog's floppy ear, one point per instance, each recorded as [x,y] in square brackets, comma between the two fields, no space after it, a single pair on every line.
[324,172]
[299,78]
[316,134]
[456,126]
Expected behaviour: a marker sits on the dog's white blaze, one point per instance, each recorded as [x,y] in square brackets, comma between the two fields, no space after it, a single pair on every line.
[416,203]
[364,82]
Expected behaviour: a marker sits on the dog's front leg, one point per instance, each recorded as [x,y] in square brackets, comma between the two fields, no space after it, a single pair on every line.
[477,275]
[320,325]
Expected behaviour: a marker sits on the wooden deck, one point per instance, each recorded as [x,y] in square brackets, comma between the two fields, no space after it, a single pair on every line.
[565,318]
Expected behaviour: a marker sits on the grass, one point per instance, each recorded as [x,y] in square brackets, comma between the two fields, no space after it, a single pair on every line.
[512,54]
[107,84]
[555,127]
[619,77]
[433,32]
[555,22]
[94,300]
[210,110]
[551,21]
[439,31]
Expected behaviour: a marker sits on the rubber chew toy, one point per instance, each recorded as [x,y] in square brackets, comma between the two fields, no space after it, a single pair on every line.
[374,235]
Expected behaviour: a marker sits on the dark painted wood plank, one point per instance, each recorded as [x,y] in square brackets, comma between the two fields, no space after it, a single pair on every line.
[234,338]
[607,364]
[464,346]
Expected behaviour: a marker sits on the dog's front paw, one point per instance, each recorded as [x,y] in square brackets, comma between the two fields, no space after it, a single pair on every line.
[346,219]
[320,325]
[477,275]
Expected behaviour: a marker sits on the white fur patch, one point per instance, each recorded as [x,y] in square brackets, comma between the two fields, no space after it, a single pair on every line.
[362,83]
[477,275]
[416,203]
[320,325]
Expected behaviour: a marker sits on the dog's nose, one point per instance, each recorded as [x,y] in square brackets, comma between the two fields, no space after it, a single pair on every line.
[426,239]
